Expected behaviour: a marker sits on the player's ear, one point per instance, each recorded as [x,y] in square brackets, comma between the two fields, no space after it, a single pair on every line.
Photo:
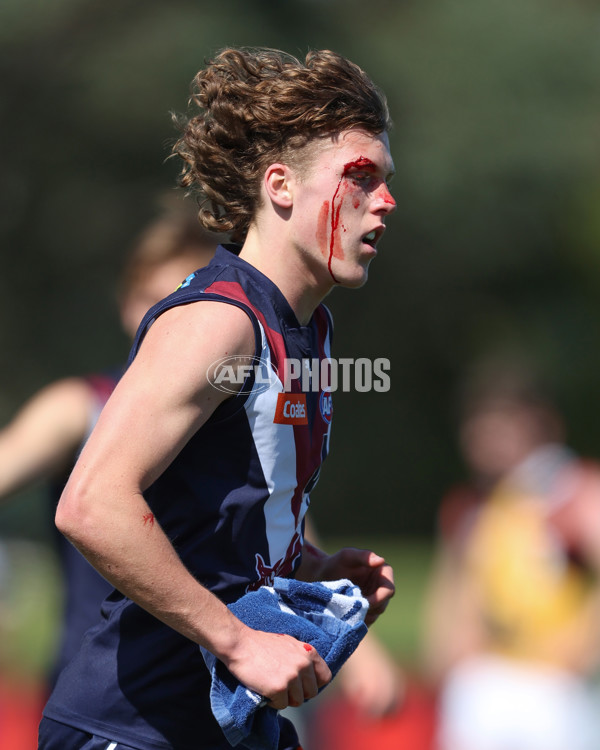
[278,184]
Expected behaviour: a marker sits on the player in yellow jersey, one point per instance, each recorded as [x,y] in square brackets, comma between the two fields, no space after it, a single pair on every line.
[514,609]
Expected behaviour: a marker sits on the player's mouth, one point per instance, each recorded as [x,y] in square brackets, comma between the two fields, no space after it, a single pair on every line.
[372,237]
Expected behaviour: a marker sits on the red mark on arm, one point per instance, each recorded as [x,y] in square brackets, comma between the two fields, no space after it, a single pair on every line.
[148,519]
[307,647]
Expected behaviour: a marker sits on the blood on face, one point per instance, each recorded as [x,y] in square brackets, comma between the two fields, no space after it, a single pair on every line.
[329,227]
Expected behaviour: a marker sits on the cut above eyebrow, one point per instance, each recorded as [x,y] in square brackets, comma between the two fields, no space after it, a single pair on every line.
[362,164]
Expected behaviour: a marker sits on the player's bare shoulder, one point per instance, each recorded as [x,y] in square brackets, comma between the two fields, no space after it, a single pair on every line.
[203,329]
[183,343]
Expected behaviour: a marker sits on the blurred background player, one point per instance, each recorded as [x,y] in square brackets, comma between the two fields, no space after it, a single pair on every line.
[374,702]
[514,610]
[42,440]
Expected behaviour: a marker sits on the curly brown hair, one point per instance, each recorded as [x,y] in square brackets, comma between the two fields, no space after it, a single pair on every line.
[259,106]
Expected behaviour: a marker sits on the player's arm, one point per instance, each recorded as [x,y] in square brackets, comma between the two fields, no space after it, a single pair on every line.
[577,516]
[161,401]
[371,678]
[44,436]
[577,519]
[453,628]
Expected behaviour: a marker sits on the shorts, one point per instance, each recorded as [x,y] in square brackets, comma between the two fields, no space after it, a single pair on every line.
[56,736]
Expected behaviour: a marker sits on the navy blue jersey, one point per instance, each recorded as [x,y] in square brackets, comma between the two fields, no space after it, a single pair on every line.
[233,504]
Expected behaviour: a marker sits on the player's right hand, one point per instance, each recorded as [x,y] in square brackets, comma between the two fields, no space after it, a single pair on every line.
[283,670]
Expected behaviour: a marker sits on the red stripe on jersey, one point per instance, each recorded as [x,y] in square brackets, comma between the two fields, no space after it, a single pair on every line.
[235,291]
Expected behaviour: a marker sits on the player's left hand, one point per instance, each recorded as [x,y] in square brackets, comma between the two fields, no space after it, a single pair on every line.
[368,571]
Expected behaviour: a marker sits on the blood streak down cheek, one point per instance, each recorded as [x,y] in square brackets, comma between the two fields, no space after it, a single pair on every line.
[326,232]
[335,226]
[326,241]
[335,241]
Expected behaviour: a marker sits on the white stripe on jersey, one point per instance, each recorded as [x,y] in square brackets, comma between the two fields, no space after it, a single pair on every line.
[276,450]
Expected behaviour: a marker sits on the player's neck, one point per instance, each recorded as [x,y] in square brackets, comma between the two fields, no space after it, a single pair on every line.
[289,271]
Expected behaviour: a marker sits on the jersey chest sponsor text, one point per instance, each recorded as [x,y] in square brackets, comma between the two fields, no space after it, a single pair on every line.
[291,409]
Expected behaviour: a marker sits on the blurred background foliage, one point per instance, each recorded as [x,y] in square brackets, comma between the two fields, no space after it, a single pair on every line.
[495,243]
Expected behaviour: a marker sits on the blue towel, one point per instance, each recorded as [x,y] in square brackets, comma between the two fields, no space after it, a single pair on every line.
[329,615]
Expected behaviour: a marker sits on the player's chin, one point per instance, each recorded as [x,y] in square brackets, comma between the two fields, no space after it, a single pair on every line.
[357,278]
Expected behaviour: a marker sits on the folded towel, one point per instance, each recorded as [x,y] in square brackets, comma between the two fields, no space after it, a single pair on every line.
[328,615]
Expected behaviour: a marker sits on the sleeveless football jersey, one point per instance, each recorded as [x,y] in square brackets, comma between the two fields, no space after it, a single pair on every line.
[232,503]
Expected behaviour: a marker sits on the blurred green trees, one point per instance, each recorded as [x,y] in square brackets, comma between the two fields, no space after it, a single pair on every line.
[496,241]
